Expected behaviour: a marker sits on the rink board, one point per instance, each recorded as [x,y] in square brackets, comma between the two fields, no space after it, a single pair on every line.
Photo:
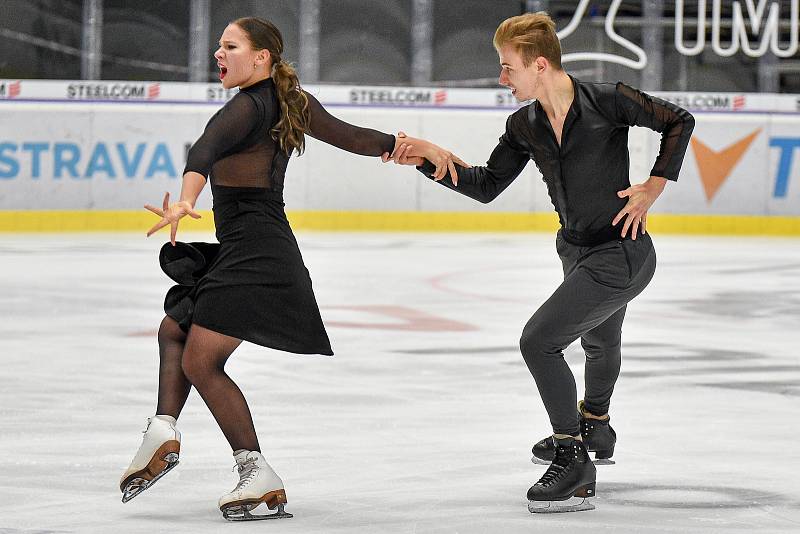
[27,221]
[91,165]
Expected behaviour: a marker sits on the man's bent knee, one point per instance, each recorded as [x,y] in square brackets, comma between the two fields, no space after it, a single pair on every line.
[535,343]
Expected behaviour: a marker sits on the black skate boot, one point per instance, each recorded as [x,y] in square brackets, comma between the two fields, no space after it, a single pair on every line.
[598,436]
[567,483]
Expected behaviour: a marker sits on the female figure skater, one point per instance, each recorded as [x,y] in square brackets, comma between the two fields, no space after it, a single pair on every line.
[253,285]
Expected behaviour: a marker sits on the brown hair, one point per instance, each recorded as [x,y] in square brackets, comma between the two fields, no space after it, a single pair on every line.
[295,118]
[532,35]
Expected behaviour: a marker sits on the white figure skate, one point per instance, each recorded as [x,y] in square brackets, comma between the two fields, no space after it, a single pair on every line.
[157,455]
[258,484]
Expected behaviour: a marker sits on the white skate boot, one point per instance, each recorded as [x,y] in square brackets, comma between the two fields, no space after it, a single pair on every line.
[157,455]
[257,483]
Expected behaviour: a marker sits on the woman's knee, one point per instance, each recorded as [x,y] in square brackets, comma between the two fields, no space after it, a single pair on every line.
[205,354]
[197,370]
[200,366]
[170,332]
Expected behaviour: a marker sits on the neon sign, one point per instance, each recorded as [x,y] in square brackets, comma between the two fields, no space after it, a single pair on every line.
[739,39]
[641,60]
[763,17]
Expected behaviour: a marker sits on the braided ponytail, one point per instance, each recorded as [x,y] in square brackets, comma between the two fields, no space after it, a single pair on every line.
[295,117]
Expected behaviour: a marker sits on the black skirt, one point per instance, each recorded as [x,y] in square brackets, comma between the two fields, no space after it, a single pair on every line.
[253,284]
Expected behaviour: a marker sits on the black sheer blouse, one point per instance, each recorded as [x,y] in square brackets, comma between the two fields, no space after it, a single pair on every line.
[585,171]
[237,148]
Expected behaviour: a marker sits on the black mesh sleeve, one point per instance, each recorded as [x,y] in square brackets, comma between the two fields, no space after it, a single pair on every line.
[340,134]
[675,124]
[485,183]
[227,128]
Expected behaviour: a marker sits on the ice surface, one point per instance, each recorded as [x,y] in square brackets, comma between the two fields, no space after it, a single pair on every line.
[424,419]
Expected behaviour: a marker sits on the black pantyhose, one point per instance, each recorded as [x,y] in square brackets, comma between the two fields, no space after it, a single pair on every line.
[173,386]
[198,359]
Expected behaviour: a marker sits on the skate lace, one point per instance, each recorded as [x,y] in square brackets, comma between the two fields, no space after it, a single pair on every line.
[147,426]
[247,472]
[558,468]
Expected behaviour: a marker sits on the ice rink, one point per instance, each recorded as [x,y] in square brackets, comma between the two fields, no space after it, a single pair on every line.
[424,419]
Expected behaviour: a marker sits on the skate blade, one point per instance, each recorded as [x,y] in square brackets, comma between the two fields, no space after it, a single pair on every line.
[573,504]
[139,484]
[242,513]
[602,461]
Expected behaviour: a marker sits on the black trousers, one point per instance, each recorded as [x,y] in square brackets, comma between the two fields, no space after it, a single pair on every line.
[589,304]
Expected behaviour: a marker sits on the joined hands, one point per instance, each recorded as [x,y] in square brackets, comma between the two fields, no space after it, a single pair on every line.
[414,151]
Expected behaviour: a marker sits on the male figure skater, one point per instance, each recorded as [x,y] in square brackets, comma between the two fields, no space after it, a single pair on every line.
[577,134]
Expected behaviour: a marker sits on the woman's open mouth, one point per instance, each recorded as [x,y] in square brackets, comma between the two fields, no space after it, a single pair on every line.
[222,72]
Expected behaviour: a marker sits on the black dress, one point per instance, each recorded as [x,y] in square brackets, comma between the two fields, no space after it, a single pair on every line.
[253,284]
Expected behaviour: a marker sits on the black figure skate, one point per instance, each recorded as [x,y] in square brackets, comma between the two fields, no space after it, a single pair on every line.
[567,483]
[598,436]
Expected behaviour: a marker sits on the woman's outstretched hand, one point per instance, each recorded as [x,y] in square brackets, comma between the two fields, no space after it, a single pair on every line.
[414,151]
[170,215]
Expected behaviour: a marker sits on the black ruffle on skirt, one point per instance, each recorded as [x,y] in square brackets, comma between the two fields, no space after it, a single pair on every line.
[185,263]
[257,291]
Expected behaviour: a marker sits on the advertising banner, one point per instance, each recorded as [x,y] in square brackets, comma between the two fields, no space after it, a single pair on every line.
[76,145]
[426,97]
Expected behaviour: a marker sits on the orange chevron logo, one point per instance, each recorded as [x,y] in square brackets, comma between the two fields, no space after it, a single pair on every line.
[715,167]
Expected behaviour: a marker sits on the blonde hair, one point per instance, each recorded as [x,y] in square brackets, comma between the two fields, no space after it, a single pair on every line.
[532,35]
[295,117]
